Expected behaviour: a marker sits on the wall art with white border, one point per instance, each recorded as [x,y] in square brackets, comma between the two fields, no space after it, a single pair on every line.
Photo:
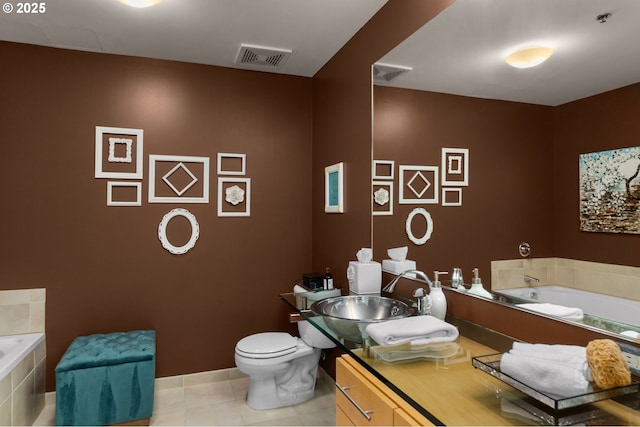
[451,196]
[429,226]
[423,181]
[127,139]
[227,197]
[382,198]
[162,231]
[379,166]
[180,166]
[113,184]
[455,167]
[243,165]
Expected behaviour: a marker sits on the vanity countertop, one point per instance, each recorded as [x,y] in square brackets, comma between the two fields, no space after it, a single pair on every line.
[451,391]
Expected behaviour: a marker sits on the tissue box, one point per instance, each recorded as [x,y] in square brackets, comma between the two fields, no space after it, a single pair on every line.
[398,267]
[365,278]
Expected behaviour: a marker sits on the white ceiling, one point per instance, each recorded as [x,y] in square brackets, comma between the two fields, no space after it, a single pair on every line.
[461,50]
[199,31]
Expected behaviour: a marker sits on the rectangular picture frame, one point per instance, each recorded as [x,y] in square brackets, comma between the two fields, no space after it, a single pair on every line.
[408,195]
[334,188]
[115,184]
[243,200]
[382,198]
[455,167]
[381,165]
[178,160]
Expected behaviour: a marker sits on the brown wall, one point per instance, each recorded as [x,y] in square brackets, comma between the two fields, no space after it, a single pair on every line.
[598,123]
[103,267]
[509,196]
[342,131]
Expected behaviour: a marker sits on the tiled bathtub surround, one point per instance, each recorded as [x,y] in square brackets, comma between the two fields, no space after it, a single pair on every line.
[22,391]
[609,279]
[22,311]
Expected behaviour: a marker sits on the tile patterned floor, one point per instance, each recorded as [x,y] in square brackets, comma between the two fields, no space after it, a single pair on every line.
[214,401]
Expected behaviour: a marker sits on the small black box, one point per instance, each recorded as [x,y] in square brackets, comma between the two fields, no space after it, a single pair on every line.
[313,281]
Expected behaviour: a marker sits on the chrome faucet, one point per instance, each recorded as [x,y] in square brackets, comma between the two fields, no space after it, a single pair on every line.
[392,284]
[423,302]
[530,279]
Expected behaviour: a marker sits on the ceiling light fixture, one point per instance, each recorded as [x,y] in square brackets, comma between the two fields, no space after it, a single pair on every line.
[529,56]
[140,3]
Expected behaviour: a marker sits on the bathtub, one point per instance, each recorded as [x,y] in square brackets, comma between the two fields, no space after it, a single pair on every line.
[14,348]
[603,306]
[23,360]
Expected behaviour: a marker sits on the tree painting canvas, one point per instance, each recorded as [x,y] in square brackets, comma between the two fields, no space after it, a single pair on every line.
[610,191]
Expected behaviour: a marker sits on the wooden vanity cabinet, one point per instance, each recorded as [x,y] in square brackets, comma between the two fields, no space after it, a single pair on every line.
[363,395]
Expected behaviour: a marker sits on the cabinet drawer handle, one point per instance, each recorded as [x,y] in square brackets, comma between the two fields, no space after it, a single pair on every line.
[364,413]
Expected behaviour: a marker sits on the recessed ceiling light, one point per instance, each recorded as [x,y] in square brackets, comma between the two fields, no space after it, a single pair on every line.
[140,3]
[529,56]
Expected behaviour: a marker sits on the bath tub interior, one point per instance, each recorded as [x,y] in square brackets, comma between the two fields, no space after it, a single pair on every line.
[14,348]
[602,306]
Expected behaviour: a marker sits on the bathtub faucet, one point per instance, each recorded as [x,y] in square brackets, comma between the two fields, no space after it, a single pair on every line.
[530,279]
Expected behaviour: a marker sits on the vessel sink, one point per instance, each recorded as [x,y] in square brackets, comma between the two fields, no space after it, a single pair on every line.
[348,316]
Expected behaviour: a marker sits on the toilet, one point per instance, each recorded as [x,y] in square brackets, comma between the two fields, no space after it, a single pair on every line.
[282,368]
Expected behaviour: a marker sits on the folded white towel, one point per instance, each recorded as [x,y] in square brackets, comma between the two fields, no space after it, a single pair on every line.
[417,330]
[546,376]
[558,369]
[553,352]
[554,310]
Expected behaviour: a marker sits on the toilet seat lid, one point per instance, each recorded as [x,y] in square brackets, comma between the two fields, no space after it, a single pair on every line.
[267,345]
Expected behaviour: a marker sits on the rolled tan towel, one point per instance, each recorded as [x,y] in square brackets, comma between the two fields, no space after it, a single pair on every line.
[608,366]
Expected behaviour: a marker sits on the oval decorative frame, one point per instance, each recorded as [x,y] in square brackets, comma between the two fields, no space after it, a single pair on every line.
[162,231]
[427,235]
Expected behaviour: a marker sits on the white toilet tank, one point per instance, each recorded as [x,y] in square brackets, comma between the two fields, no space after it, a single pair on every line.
[312,336]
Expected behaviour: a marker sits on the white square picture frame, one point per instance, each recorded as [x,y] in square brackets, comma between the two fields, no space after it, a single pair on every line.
[179,164]
[225,199]
[99,149]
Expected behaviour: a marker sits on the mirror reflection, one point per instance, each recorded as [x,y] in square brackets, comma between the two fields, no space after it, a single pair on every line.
[491,152]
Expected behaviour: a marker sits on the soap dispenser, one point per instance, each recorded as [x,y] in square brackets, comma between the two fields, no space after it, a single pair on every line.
[476,286]
[436,295]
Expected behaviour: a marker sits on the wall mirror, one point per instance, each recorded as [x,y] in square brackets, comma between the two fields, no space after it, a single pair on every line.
[447,87]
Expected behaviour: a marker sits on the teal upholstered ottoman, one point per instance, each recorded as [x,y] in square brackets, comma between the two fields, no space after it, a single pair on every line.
[106,379]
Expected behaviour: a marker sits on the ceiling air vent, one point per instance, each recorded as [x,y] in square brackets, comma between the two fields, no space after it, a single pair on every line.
[261,56]
[385,73]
